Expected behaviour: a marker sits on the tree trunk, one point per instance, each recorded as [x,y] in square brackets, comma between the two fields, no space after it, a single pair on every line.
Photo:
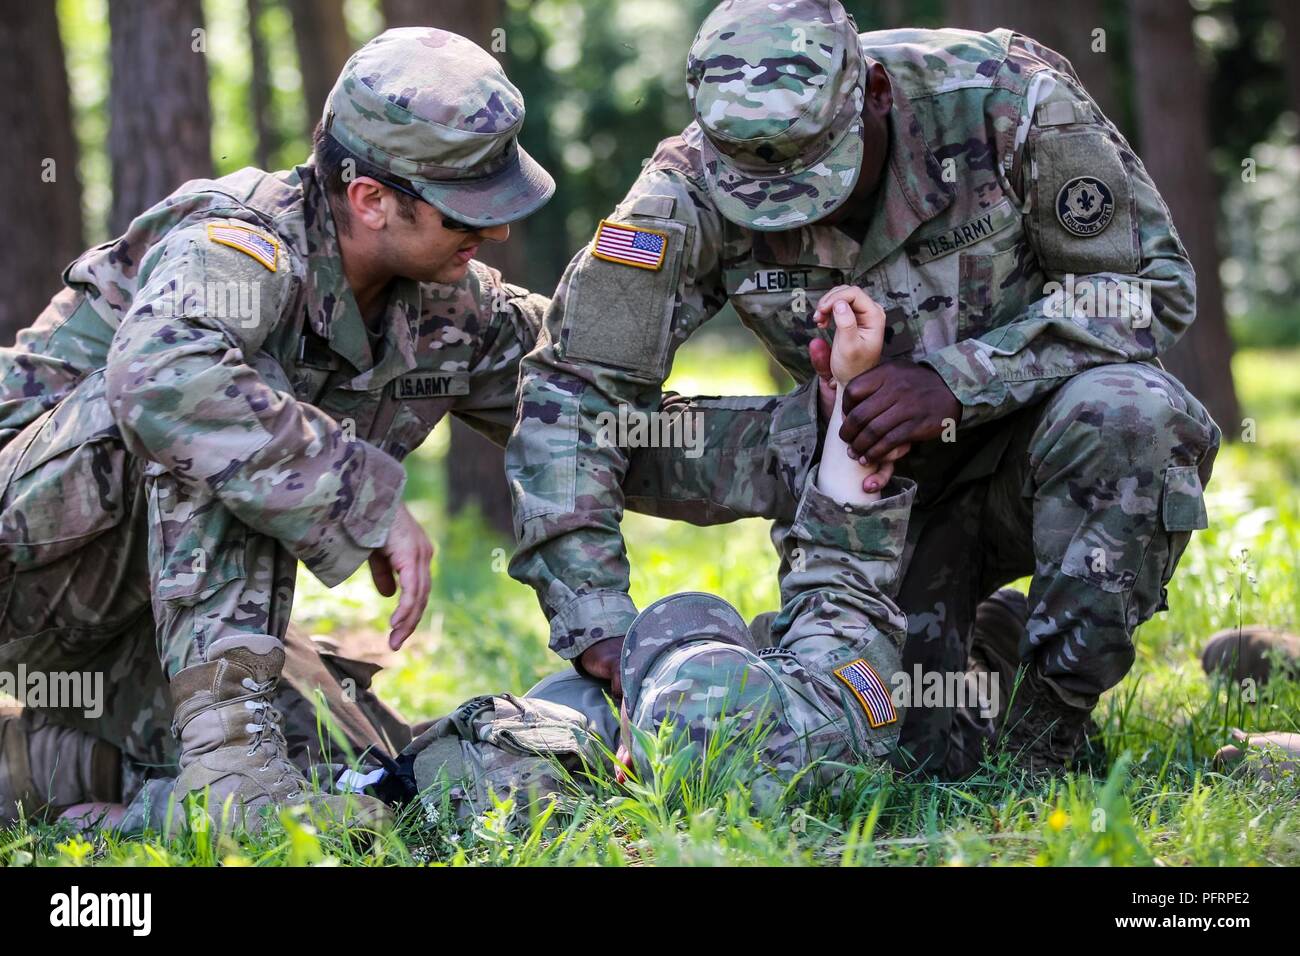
[321,34]
[1066,28]
[259,90]
[40,203]
[476,473]
[1170,100]
[1288,14]
[159,132]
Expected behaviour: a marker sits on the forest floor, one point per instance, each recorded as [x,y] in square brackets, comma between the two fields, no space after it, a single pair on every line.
[1159,802]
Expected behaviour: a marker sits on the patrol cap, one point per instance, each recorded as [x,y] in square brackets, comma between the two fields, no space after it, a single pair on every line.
[434,108]
[777,87]
[670,622]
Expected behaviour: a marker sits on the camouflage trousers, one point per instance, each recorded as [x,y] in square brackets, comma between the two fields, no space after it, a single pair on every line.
[1094,492]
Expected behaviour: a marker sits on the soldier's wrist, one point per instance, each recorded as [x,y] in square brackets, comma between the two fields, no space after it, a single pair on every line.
[589,619]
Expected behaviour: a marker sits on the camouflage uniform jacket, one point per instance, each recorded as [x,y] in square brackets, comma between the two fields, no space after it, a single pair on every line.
[991,138]
[231,354]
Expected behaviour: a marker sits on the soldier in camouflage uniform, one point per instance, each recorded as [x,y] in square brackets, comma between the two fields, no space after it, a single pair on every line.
[954,176]
[230,387]
[792,700]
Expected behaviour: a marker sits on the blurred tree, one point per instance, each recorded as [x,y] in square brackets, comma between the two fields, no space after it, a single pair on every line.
[424,13]
[1175,146]
[1288,14]
[321,34]
[475,466]
[159,132]
[259,89]
[41,200]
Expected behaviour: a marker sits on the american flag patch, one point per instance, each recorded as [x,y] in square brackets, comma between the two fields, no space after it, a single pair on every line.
[861,678]
[643,248]
[250,241]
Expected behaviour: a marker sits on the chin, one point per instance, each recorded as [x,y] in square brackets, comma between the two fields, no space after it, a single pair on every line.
[450,273]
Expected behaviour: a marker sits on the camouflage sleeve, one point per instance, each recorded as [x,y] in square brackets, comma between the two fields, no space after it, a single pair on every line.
[842,572]
[606,340]
[513,317]
[1119,285]
[192,391]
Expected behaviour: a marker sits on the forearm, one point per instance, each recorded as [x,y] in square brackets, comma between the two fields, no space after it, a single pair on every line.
[566,481]
[840,475]
[843,566]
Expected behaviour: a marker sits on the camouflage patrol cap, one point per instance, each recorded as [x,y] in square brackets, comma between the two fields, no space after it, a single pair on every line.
[777,87]
[436,109]
[673,621]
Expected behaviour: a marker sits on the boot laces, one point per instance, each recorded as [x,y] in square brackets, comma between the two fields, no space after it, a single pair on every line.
[264,727]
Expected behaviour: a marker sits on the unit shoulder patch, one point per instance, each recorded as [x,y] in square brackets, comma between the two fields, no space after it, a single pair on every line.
[630,245]
[1085,206]
[861,678]
[252,242]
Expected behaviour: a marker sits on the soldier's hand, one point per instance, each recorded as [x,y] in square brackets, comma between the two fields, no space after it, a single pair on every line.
[895,404]
[859,330]
[403,562]
[601,661]
[819,353]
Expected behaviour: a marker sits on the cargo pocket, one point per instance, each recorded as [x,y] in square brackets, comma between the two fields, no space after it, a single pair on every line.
[1182,511]
[67,484]
[195,545]
[982,302]
[532,727]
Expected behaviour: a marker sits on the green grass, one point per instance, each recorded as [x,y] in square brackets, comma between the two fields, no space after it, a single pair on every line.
[1161,802]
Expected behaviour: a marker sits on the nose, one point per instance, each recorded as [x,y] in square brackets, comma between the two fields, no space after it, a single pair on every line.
[496,233]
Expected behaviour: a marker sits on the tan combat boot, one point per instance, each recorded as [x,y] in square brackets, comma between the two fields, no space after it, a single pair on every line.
[232,745]
[47,767]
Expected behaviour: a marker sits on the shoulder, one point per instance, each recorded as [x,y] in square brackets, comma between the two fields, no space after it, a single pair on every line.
[929,62]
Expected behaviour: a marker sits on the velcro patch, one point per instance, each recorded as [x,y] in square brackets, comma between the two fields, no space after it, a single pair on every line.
[415,385]
[251,242]
[630,245]
[861,678]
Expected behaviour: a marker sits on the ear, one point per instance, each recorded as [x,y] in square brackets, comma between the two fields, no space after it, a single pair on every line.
[365,198]
[880,92]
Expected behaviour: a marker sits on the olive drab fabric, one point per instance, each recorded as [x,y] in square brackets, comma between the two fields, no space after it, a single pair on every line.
[1018,248]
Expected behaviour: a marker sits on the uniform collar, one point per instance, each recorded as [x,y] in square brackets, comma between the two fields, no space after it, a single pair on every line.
[332,309]
[913,191]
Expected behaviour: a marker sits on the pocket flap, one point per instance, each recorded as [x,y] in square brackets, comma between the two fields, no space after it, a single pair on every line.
[529,726]
[1184,500]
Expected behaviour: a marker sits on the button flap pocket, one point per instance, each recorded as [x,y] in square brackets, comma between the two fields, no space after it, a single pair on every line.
[1183,508]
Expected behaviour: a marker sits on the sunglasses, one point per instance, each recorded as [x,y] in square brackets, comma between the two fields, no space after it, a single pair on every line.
[447,222]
